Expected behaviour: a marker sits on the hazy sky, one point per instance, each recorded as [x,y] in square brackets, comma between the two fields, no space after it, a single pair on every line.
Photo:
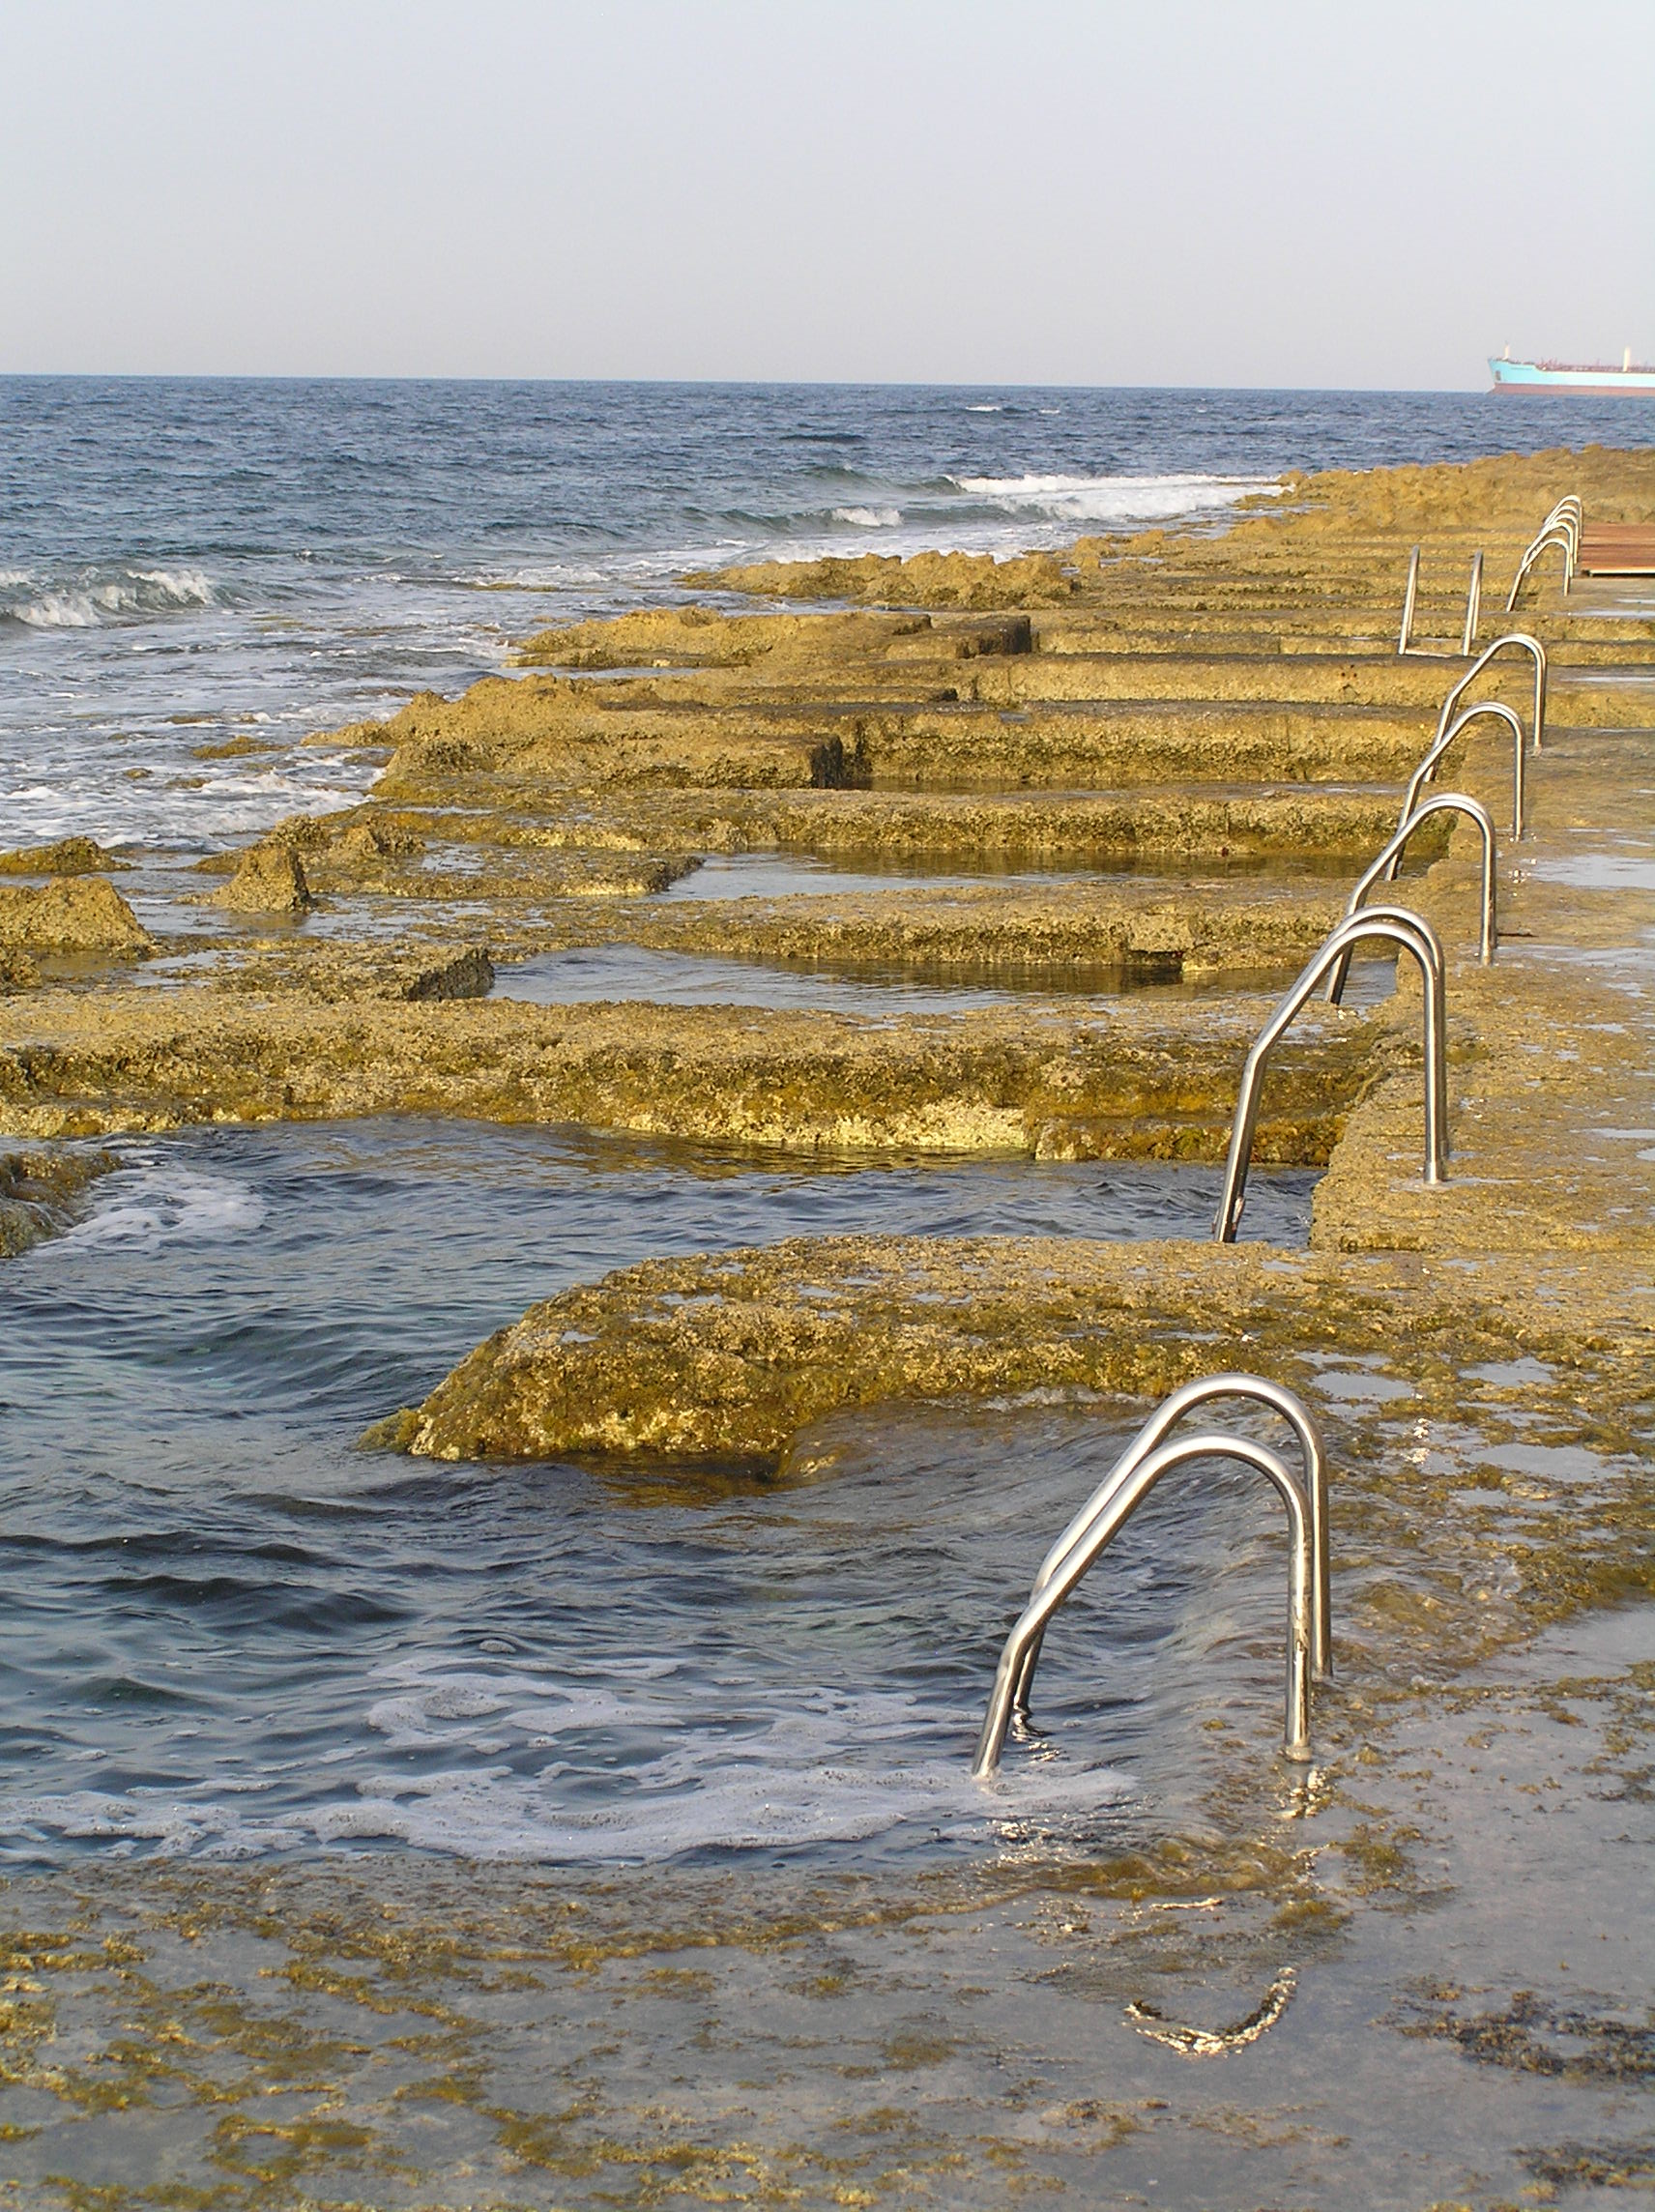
[1085,191]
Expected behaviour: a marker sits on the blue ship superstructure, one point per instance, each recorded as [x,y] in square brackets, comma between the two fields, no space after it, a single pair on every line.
[1632,379]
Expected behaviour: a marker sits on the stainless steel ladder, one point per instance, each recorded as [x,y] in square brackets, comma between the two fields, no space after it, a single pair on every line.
[1561,527]
[1384,865]
[1414,935]
[1406,645]
[1128,1482]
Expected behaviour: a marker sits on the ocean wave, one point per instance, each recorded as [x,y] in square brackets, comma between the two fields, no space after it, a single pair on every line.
[1114,499]
[90,600]
[869,518]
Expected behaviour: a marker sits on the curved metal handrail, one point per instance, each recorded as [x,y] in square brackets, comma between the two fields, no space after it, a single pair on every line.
[1572,515]
[1440,802]
[1165,1417]
[1569,516]
[1415,935]
[1124,1501]
[1569,530]
[1559,534]
[1427,768]
[1524,643]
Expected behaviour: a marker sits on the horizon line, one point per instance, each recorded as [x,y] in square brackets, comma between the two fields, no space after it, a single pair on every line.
[723,383]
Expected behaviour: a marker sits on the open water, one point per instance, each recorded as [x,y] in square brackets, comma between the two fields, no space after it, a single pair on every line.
[224,1631]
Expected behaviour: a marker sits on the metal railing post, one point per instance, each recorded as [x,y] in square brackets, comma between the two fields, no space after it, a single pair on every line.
[1474,607]
[1414,935]
[1411,594]
[1124,1498]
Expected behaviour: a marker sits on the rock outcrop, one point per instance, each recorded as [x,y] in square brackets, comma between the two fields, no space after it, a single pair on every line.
[268,879]
[67,857]
[80,914]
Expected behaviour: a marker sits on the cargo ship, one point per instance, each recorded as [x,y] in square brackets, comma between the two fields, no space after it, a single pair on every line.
[1593,379]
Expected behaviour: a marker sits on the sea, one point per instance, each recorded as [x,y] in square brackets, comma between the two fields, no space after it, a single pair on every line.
[227,1633]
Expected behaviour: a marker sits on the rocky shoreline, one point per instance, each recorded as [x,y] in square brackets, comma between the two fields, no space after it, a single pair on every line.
[1129,787]
[1220,722]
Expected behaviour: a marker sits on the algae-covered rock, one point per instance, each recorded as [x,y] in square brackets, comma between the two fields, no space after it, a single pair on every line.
[66,856]
[700,637]
[40,1193]
[84,914]
[268,879]
[1148,1083]
[469,975]
[368,842]
[17,971]
[923,580]
[731,1355]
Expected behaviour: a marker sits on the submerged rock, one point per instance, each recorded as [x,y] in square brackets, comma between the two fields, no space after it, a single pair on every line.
[78,915]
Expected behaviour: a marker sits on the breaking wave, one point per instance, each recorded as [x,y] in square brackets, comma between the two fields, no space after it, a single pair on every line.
[92,599]
[1114,500]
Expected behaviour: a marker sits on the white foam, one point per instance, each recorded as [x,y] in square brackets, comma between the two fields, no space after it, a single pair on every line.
[179,587]
[708,1800]
[148,1204]
[869,518]
[1114,499]
[712,1765]
[91,601]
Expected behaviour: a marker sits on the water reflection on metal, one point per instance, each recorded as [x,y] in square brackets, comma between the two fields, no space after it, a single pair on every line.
[1212,2042]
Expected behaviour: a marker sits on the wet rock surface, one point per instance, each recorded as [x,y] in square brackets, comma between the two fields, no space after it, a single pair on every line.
[42,1193]
[268,879]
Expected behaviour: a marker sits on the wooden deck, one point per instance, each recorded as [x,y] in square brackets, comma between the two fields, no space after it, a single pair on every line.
[1618,549]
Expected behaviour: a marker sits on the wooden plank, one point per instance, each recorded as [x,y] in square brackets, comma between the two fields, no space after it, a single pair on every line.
[1618,549]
